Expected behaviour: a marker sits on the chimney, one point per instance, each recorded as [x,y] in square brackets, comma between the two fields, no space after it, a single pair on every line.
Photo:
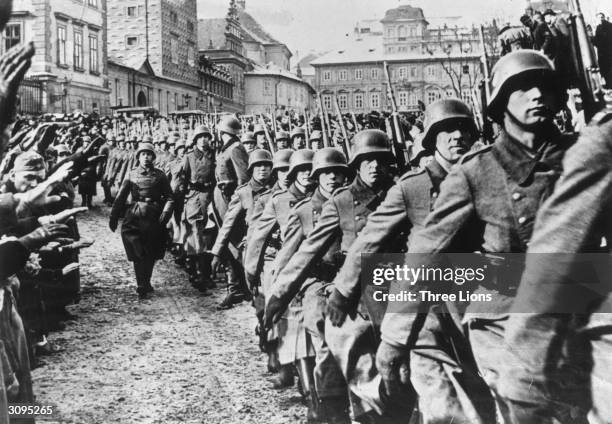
[241,4]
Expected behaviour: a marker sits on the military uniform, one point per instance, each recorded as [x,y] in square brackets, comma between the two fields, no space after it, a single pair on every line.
[142,232]
[341,220]
[488,203]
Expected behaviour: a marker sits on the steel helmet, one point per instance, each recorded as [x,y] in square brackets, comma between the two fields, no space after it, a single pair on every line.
[370,142]
[179,145]
[316,135]
[111,137]
[259,156]
[62,148]
[328,158]
[143,147]
[258,129]
[229,125]
[509,68]
[281,158]
[247,137]
[443,112]
[299,158]
[148,139]
[282,135]
[200,131]
[298,131]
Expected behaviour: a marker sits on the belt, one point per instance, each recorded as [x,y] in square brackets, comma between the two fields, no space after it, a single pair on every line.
[201,187]
[147,200]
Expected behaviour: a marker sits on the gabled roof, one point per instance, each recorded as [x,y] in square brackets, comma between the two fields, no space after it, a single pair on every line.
[253,31]
[404,12]
[138,63]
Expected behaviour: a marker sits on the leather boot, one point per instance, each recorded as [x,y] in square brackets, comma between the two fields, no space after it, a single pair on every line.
[284,378]
[335,410]
[273,364]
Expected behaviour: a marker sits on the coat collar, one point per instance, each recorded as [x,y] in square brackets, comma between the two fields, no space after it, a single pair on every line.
[258,187]
[317,200]
[366,195]
[520,162]
[298,193]
[436,173]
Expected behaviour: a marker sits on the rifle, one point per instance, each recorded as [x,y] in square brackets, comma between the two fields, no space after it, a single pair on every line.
[265,127]
[345,144]
[485,90]
[355,121]
[589,77]
[273,119]
[306,127]
[322,118]
[398,144]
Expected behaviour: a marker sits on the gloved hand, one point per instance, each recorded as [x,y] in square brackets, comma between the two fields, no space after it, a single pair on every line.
[165,217]
[112,224]
[393,365]
[275,308]
[42,235]
[215,265]
[338,307]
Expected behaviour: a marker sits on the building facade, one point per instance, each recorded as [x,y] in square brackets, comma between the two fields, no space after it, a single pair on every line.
[153,60]
[271,89]
[425,64]
[69,70]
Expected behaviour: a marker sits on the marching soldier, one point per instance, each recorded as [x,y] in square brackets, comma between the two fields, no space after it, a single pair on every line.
[316,140]
[488,203]
[176,177]
[198,186]
[341,220]
[87,178]
[274,219]
[449,134]
[144,224]
[110,151]
[260,136]
[328,396]
[248,141]
[115,165]
[282,140]
[237,218]
[231,171]
[298,138]
[280,169]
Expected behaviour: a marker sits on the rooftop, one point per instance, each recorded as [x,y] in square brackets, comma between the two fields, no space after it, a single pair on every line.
[404,12]
[253,31]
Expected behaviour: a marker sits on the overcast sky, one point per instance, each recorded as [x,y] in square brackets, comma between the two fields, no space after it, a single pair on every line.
[322,25]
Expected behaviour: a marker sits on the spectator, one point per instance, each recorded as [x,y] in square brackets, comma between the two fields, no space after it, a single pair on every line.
[603,42]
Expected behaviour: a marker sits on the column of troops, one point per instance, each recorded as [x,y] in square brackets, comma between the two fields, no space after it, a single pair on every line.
[290,228]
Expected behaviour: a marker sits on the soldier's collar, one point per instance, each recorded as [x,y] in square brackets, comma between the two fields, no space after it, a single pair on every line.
[256,186]
[297,193]
[362,193]
[318,199]
[520,163]
[436,173]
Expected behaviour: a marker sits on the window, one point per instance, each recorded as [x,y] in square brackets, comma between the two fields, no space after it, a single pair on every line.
[403,72]
[174,49]
[375,100]
[374,74]
[174,17]
[12,35]
[132,11]
[191,56]
[176,104]
[190,27]
[358,100]
[79,104]
[466,69]
[450,92]
[343,101]
[132,41]
[402,98]
[390,32]
[267,88]
[358,74]
[92,3]
[412,99]
[327,101]
[465,95]
[431,71]
[61,45]
[93,53]
[326,75]
[342,75]
[431,96]
[402,32]
[390,49]
[78,50]
[403,49]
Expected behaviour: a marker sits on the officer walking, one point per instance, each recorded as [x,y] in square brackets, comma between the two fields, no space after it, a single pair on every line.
[144,224]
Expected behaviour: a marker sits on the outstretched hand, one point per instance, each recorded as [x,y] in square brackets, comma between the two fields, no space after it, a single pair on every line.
[13,66]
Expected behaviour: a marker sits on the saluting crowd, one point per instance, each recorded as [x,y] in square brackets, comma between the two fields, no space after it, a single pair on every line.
[284,208]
